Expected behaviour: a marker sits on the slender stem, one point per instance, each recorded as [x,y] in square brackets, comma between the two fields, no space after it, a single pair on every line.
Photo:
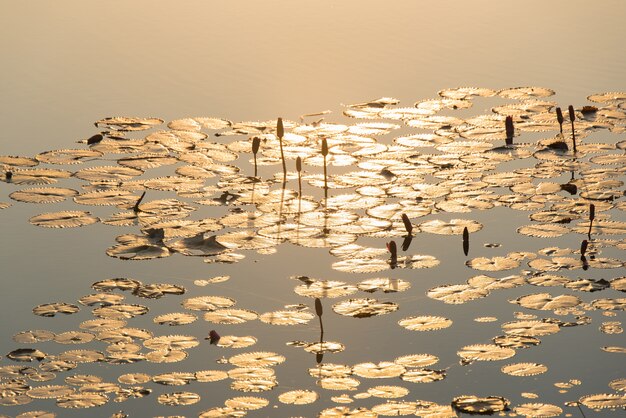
[299,184]
[325,178]
[321,329]
[282,156]
[574,137]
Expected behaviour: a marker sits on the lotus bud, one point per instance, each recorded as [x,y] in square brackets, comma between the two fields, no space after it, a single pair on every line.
[280,129]
[391,247]
[95,139]
[465,241]
[407,223]
[559,116]
[324,147]
[214,337]
[256,143]
[510,129]
[318,307]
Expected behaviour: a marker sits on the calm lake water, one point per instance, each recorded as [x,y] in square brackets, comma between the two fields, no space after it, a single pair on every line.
[68,64]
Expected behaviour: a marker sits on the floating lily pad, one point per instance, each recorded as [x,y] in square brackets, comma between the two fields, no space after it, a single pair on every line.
[524,369]
[485,352]
[385,285]
[325,289]
[176,318]
[51,309]
[452,227]
[425,323]
[178,398]
[82,400]
[256,359]
[423,375]
[603,401]
[383,369]
[286,317]
[65,219]
[34,336]
[530,328]
[538,410]
[364,308]
[230,316]
[545,301]
[43,195]
[487,405]
[456,293]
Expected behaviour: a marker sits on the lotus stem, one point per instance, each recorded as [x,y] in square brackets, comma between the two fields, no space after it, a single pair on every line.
[136,207]
[465,241]
[592,216]
[299,170]
[324,154]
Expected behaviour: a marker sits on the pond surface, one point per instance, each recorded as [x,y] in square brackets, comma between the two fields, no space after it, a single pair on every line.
[499,288]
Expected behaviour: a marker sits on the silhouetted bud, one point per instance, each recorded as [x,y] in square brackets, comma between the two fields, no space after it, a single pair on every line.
[95,139]
[407,223]
[280,130]
[559,116]
[570,188]
[324,147]
[318,307]
[465,241]
[391,247]
[572,117]
[592,212]
[510,129]
[583,247]
[256,143]
[214,337]
[299,164]
[407,242]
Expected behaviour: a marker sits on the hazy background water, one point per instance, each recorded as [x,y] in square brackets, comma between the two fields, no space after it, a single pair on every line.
[66,64]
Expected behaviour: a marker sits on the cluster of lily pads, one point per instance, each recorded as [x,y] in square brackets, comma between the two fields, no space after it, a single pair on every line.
[351,185]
